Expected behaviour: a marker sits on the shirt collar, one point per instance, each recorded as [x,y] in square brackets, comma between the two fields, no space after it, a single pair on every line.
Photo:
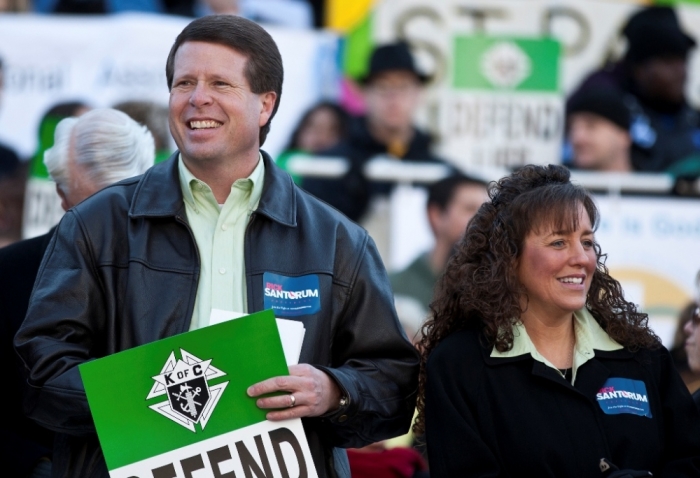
[590,336]
[188,182]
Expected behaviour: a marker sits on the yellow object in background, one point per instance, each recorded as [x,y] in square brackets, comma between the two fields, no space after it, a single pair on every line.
[342,15]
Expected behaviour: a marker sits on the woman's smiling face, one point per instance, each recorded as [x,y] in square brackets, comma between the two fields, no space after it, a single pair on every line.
[556,269]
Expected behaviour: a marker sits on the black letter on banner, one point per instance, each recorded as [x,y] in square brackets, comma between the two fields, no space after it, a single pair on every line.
[433,50]
[216,457]
[165,471]
[584,36]
[285,435]
[249,463]
[191,464]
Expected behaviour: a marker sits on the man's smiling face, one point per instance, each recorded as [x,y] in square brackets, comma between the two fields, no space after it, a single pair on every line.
[214,117]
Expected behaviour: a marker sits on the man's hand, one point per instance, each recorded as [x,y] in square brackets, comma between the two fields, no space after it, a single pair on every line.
[314,392]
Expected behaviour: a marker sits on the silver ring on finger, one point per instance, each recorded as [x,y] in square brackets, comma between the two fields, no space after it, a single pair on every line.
[292,400]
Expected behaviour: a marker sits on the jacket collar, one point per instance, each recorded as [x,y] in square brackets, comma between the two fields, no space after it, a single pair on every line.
[158,194]
[591,340]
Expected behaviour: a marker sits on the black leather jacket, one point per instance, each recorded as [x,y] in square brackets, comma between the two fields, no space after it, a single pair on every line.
[122,270]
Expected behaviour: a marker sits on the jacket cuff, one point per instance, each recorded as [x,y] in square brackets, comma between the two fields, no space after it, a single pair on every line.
[345,410]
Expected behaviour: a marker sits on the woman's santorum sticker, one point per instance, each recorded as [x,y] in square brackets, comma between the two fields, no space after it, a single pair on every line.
[291,296]
[623,395]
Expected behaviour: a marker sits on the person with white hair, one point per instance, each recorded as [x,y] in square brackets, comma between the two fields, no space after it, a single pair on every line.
[99,148]
[89,153]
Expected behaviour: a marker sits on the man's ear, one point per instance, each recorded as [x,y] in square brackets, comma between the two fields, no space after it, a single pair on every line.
[267,105]
[64,200]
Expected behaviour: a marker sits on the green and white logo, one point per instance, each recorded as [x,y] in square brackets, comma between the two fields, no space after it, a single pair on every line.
[505,63]
[185,382]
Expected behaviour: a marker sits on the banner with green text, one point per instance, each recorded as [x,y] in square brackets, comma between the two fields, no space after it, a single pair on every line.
[178,407]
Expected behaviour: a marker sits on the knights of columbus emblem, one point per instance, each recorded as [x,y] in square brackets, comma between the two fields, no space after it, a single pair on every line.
[185,382]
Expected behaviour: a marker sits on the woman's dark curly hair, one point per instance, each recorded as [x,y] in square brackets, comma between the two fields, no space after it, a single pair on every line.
[480,285]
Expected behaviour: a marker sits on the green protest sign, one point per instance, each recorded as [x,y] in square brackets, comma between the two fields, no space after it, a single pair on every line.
[505,63]
[179,404]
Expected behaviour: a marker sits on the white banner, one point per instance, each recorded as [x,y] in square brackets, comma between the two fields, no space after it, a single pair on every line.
[495,130]
[103,60]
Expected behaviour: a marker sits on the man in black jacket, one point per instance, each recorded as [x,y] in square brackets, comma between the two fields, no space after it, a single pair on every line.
[149,257]
[392,90]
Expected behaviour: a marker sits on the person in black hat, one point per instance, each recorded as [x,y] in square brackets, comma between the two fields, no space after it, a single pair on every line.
[598,131]
[392,89]
[651,78]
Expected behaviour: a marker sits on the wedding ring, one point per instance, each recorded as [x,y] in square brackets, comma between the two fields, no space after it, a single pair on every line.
[293,401]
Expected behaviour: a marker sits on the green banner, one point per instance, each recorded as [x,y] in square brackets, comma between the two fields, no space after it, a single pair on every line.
[181,390]
[506,63]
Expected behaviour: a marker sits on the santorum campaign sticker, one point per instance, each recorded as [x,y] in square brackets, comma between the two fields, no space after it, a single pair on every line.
[291,296]
[623,395]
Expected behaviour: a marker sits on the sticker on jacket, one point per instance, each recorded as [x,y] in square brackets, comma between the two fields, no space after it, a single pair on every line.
[623,395]
[291,296]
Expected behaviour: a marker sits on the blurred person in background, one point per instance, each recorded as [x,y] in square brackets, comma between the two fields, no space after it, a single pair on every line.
[678,348]
[598,132]
[452,202]
[89,153]
[41,210]
[692,342]
[12,181]
[154,117]
[652,75]
[9,161]
[320,128]
[392,90]
[692,346]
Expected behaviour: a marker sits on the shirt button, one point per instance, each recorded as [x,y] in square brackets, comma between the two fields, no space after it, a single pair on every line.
[224,227]
[222,270]
[342,418]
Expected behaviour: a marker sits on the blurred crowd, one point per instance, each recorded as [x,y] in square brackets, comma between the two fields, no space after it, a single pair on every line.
[631,115]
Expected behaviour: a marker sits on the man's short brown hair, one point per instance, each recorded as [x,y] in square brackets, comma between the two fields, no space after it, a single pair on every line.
[263,69]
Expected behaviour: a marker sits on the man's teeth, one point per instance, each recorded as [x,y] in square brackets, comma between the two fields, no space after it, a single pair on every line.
[204,124]
[572,280]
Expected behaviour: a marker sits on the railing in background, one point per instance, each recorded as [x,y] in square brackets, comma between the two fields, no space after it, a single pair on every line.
[387,169]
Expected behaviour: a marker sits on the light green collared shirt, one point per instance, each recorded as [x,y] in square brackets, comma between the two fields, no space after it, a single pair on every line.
[219,231]
[589,334]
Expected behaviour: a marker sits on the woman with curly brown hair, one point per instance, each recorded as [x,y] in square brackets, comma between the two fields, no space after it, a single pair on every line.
[533,362]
